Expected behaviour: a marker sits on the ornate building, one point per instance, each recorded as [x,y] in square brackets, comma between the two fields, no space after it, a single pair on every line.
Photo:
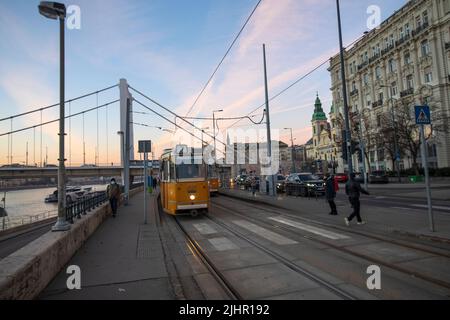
[403,63]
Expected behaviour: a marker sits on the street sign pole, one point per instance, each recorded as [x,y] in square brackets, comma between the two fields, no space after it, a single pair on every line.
[427,178]
[423,117]
[145,187]
[145,146]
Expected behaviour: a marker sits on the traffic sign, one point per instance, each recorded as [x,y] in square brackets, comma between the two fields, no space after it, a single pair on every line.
[422,114]
[145,146]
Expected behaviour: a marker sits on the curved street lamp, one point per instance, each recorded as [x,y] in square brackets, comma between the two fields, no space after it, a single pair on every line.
[56,10]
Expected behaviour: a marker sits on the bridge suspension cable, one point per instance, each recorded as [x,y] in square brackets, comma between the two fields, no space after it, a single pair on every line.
[223,58]
[57,104]
[52,121]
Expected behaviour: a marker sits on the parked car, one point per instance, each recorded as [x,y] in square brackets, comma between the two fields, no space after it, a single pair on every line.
[378,176]
[304,184]
[240,179]
[248,183]
[341,177]
[280,183]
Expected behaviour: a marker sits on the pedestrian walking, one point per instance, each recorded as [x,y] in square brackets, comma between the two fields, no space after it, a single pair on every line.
[353,190]
[253,185]
[113,191]
[330,193]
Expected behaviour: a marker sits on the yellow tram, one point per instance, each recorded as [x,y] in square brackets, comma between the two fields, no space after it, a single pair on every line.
[184,183]
[213,180]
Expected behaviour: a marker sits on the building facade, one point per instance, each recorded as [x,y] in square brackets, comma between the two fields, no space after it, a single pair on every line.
[403,63]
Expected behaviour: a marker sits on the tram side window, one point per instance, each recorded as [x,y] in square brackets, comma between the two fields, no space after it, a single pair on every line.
[185,171]
[172,171]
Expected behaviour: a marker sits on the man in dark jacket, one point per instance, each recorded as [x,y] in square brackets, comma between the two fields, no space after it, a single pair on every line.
[353,190]
[330,193]
[114,192]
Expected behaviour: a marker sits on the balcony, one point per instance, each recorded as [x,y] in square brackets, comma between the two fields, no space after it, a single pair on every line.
[378,103]
[420,29]
[354,92]
[362,65]
[387,49]
[406,92]
[402,40]
[374,57]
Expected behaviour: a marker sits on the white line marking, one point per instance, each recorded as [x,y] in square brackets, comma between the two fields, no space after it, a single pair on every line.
[262,232]
[205,228]
[315,230]
[434,207]
[222,244]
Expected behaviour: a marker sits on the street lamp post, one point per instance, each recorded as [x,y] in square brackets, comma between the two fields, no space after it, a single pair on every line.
[55,11]
[292,150]
[203,130]
[214,128]
[396,151]
[348,137]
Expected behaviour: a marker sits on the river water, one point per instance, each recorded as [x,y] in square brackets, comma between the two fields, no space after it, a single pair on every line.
[30,202]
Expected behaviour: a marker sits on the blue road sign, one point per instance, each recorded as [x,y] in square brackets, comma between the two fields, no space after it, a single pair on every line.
[422,114]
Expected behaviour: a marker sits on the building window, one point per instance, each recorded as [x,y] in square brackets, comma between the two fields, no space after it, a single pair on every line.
[407,57]
[380,96]
[366,56]
[378,120]
[425,17]
[407,29]
[314,129]
[353,86]
[400,32]
[372,156]
[392,65]
[378,72]
[418,22]
[394,88]
[368,100]
[366,78]
[391,39]
[409,82]
[428,75]
[425,46]
[380,154]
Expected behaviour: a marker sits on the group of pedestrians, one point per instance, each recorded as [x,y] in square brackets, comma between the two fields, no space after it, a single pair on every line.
[353,190]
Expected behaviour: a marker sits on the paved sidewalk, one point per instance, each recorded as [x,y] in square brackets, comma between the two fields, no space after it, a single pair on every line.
[384,219]
[122,260]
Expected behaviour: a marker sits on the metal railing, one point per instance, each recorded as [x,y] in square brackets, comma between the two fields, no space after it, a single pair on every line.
[87,203]
[17,221]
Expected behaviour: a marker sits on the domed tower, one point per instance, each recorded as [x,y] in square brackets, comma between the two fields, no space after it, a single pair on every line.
[319,122]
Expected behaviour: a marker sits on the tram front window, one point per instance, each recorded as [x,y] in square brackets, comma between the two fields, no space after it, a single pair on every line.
[186,171]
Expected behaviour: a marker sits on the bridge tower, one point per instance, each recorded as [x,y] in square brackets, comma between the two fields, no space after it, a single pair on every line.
[126,129]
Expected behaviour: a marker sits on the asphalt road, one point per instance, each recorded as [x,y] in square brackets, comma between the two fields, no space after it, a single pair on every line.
[13,242]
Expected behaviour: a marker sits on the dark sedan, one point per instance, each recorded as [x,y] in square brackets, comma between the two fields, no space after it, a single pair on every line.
[304,184]
[378,176]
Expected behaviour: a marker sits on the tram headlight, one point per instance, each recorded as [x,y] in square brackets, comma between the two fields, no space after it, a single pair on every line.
[192,197]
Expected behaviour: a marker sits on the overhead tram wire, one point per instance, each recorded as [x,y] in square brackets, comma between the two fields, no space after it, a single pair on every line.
[57,104]
[223,58]
[167,119]
[171,112]
[294,83]
[221,119]
[52,121]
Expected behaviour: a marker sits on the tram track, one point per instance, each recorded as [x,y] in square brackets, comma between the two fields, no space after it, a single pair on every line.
[412,273]
[417,246]
[296,268]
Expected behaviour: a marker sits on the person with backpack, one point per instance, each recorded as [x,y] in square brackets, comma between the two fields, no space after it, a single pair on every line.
[331,187]
[353,189]
[113,191]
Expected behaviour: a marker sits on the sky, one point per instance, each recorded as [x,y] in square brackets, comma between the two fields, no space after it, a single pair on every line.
[168,50]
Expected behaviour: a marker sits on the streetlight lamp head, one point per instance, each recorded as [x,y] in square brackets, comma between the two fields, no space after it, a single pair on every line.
[52,10]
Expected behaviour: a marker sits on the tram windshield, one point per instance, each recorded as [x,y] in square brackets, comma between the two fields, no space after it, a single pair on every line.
[187,171]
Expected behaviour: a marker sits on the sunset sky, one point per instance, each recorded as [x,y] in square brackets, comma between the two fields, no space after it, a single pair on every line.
[168,49]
